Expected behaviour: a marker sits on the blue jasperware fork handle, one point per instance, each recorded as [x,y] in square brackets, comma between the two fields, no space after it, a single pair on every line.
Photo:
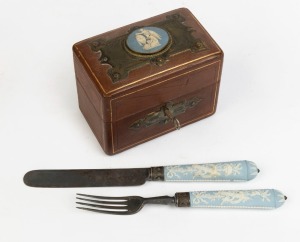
[222,171]
[257,199]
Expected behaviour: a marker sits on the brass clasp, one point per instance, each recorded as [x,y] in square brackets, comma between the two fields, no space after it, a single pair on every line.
[169,112]
[166,114]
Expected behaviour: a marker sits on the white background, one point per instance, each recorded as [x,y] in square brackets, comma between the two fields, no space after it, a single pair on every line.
[41,127]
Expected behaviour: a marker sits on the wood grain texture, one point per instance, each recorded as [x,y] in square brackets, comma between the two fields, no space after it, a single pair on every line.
[110,108]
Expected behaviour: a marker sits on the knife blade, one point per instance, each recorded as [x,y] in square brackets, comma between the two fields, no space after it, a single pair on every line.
[221,171]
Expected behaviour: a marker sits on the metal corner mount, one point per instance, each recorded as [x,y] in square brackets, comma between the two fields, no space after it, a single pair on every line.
[122,61]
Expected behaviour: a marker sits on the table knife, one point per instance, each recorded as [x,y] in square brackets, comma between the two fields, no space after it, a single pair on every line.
[222,171]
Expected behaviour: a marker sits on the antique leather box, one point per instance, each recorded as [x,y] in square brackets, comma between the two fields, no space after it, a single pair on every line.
[146,79]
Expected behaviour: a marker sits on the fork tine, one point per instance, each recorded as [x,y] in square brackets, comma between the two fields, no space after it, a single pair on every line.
[104,202]
[104,206]
[101,197]
[104,211]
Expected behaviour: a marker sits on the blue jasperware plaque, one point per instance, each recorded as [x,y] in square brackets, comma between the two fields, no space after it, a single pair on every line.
[148,40]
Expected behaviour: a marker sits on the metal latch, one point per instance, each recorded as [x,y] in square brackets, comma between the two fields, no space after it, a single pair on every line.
[169,112]
[166,114]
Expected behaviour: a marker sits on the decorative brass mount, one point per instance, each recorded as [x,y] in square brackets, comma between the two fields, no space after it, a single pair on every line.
[122,61]
[166,114]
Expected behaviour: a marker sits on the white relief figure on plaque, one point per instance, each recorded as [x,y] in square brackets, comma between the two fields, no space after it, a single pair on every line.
[148,39]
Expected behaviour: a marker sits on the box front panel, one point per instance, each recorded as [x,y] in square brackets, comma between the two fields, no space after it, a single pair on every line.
[147,113]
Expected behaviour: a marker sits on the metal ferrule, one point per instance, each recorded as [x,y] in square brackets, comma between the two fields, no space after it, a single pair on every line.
[156,173]
[182,199]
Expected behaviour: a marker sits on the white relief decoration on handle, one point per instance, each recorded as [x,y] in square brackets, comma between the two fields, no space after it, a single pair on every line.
[262,198]
[252,169]
[205,171]
[236,170]
[281,198]
[229,197]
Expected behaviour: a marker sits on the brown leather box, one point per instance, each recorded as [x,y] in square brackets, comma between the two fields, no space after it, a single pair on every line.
[146,79]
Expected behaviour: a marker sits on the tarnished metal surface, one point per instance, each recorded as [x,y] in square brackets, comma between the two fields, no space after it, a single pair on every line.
[166,114]
[87,178]
[157,173]
[115,53]
[119,205]
[182,199]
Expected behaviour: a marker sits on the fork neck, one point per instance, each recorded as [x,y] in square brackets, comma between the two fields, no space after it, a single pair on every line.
[164,200]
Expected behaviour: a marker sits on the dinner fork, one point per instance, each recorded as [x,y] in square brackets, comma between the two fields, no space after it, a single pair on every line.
[259,199]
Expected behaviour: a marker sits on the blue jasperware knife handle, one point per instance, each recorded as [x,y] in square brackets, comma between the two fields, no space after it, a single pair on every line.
[221,171]
[259,199]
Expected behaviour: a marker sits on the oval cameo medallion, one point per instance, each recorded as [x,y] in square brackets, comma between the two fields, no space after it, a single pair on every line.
[147,40]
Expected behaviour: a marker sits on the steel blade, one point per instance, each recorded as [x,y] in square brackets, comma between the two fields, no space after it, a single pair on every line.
[86,178]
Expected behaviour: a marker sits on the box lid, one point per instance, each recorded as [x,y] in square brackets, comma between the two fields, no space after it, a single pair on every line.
[145,51]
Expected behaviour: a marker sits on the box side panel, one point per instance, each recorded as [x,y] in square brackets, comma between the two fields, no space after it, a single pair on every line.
[84,76]
[100,129]
[91,104]
[199,86]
